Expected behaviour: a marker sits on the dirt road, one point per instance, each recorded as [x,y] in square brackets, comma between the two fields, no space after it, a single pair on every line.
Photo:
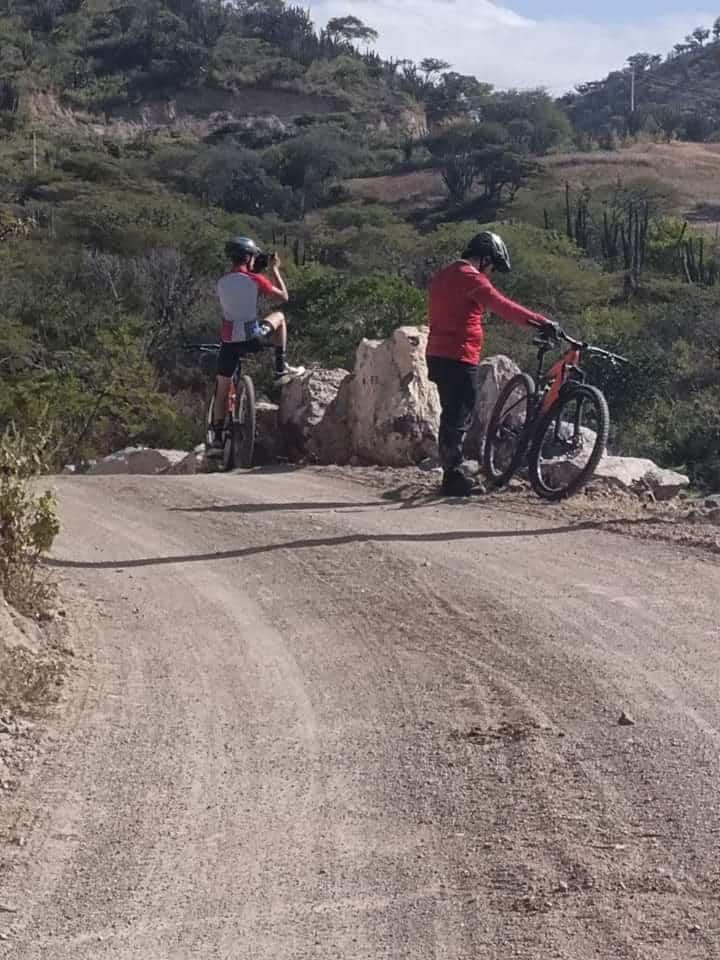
[312,723]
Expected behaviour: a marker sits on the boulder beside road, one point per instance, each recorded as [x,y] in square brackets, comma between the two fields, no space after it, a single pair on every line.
[640,476]
[139,460]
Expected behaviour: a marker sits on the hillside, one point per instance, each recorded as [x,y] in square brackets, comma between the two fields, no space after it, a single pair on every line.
[685,174]
[677,94]
[136,138]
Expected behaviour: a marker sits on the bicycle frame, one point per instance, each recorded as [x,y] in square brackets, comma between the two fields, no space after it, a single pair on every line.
[232,392]
[557,374]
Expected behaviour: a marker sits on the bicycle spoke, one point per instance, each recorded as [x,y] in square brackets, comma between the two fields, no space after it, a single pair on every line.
[507,430]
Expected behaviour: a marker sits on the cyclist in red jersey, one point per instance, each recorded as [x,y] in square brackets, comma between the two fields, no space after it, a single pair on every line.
[459,296]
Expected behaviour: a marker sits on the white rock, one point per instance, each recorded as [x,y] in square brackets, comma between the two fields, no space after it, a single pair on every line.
[393,409]
[138,460]
[636,474]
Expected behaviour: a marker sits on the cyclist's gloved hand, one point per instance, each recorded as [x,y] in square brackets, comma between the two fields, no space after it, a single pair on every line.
[550,328]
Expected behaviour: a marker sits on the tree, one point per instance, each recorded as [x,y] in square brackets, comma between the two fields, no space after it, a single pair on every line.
[290,28]
[503,172]
[432,68]
[551,126]
[670,120]
[697,38]
[716,29]
[453,95]
[465,138]
[640,62]
[459,171]
[310,162]
[698,127]
[350,30]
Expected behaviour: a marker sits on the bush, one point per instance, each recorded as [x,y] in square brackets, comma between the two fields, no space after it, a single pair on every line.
[28,520]
[334,313]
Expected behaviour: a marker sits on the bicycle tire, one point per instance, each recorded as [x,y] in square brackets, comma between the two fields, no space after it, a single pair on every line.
[577,482]
[525,383]
[244,423]
[210,420]
[213,458]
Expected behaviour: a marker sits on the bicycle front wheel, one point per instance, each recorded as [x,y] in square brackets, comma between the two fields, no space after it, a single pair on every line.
[569,443]
[506,433]
[244,423]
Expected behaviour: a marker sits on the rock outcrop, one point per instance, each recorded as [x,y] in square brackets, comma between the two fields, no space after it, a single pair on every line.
[308,421]
[640,476]
[393,409]
[386,412]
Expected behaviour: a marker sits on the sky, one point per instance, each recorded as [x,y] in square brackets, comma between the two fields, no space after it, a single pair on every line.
[524,43]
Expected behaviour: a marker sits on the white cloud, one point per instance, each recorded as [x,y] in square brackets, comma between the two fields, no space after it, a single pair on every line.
[501,47]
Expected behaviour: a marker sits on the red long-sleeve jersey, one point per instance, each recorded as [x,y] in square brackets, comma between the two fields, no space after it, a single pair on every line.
[459,296]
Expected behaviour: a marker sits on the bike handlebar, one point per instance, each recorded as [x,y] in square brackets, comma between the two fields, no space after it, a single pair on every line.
[548,334]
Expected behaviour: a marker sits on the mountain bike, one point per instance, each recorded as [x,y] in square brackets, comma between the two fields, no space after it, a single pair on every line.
[239,425]
[557,424]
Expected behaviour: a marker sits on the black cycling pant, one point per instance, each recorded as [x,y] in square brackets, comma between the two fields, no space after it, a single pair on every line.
[457,384]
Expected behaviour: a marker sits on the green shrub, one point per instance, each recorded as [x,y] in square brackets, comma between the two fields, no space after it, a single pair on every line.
[28,519]
[332,313]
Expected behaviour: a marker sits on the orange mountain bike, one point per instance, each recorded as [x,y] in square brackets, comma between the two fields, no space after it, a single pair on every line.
[557,428]
[239,426]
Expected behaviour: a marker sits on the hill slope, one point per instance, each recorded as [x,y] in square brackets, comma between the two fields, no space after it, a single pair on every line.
[678,94]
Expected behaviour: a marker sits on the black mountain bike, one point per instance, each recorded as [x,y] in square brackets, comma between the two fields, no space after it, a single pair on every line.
[557,428]
[239,425]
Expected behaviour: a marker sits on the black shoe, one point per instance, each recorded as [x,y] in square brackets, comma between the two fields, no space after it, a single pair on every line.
[286,372]
[456,484]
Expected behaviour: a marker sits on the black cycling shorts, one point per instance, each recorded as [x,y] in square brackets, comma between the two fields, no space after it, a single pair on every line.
[231,353]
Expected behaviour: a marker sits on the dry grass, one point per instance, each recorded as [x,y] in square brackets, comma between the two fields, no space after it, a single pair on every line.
[688,172]
[32,659]
[420,186]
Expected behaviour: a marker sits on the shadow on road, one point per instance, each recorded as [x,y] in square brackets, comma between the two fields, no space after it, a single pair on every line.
[276,507]
[351,539]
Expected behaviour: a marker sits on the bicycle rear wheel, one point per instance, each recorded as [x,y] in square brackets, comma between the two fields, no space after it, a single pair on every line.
[505,439]
[210,420]
[244,423]
[215,456]
[569,442]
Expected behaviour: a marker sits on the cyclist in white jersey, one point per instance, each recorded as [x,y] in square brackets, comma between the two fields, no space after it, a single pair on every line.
[242,332]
